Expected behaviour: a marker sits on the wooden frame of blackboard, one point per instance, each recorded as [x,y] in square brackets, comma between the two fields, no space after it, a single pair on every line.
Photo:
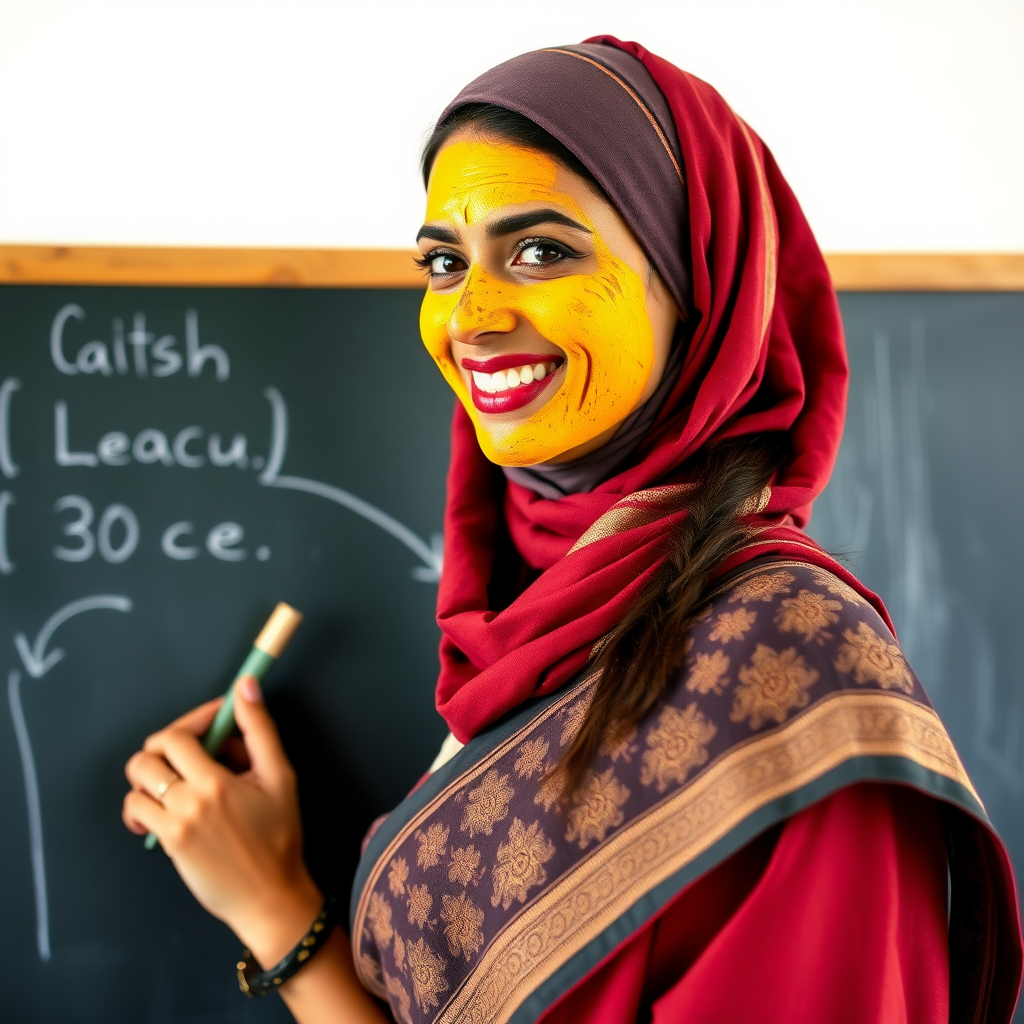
[394,268]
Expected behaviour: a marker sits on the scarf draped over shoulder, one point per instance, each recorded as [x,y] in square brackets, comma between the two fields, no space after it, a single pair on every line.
[530,584]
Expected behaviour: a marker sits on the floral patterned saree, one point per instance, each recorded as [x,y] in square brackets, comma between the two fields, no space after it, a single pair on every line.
[485,897]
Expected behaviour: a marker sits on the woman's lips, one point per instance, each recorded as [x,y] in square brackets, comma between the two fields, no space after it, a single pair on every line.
[506,383]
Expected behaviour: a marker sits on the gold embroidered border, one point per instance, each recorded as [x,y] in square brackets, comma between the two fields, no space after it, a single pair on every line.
[637,509]
[460,782]
[768,218]
[775,542]
[580,906]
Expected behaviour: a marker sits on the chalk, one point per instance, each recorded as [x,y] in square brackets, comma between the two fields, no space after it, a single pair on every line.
[269,646]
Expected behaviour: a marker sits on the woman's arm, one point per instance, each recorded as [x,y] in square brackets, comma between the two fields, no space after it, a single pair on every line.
[236,841]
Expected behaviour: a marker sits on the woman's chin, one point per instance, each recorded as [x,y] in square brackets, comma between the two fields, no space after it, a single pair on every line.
[505,449]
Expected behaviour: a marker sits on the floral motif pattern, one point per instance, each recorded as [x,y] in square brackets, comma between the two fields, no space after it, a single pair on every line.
[531,757]
[549,793]
[620,748]
[398,875]
[763,586]
[677,744]
[520,863]
[419,903]
[572,720]
[378,918]
[772,685]
[781,640]
[464,866]
[834,585]
[396,990]
[733,625]
[597,808]
[708,674]
[433,845]
[487,804]
[870,658]
[462,919]
[426,969]
[809,614]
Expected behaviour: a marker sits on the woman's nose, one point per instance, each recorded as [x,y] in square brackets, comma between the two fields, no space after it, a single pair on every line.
[483,308]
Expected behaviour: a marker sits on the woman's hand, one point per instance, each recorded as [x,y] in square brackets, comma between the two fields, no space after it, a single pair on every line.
[235,839]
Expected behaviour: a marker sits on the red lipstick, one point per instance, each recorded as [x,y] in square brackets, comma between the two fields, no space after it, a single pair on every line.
[510,361]
[513,398]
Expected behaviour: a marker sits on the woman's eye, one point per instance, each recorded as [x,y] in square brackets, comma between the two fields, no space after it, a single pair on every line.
[445,263]
[538,254]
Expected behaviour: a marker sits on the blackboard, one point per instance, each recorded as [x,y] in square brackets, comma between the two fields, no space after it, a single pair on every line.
[335,506]
[926,504]
[330,424]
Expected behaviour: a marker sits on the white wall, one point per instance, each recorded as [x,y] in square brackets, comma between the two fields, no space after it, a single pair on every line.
[899,124]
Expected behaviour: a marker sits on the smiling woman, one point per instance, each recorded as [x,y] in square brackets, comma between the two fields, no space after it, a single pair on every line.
[686,747]
[537,270]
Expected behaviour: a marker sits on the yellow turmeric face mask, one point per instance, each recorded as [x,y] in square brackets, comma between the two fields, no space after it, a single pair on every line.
[537,314]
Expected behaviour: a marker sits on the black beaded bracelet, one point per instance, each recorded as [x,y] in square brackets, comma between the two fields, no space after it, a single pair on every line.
[255,983]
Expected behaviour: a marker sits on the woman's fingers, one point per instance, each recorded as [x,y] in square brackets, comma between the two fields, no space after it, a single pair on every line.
[151,773]
[185,754]
[199,719]
[262,740]
[142,813]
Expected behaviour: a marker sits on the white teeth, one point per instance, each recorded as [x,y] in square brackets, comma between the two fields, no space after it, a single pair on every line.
[503,380]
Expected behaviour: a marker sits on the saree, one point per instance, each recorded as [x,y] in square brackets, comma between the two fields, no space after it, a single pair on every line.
[484,896]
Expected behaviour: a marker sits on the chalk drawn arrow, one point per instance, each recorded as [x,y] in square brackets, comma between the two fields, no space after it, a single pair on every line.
[36,660]
[431,555]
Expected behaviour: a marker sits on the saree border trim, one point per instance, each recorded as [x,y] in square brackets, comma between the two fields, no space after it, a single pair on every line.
[586,902]
[449,776]
[892,770]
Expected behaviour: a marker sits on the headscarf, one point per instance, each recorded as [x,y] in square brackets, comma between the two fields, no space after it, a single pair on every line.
[530,584]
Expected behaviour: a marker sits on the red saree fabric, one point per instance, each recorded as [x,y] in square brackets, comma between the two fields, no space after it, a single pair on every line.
[766,355]
[840,916]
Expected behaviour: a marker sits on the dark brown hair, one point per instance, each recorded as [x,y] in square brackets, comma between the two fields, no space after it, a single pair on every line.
[640,657]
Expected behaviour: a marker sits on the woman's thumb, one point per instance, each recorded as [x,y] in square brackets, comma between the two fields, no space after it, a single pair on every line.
[262,741]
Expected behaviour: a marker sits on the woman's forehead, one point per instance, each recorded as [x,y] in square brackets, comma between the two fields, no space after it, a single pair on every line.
[474,177]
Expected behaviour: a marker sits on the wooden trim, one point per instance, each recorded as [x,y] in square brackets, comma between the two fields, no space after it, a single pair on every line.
[393,268]
[290,268]
[927,272]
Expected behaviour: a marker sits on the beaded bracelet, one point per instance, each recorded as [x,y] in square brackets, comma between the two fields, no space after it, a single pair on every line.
[255,983]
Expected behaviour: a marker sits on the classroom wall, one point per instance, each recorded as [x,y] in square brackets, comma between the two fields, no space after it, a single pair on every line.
[232,122]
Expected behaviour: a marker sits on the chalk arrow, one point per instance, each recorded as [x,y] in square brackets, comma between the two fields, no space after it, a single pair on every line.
[36,660]
[431,555]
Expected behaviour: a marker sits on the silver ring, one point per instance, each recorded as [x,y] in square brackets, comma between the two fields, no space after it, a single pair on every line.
[166,785]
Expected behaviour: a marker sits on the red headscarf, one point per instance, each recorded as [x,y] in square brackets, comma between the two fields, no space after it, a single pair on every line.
[767,355]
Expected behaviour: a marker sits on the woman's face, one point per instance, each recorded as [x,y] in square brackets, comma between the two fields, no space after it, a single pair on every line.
[542,311]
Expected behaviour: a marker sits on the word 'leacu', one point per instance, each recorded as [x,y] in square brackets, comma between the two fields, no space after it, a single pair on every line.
[188,447]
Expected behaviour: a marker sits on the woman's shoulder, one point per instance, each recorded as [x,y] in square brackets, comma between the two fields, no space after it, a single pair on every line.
[780,633]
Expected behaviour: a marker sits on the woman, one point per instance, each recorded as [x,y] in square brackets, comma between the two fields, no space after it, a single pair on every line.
[698,781]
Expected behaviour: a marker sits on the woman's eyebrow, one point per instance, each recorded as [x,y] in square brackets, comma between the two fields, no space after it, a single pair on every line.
[438,234]
[522,221]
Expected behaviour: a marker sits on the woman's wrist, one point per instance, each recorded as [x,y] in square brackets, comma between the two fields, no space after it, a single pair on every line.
[281,921]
